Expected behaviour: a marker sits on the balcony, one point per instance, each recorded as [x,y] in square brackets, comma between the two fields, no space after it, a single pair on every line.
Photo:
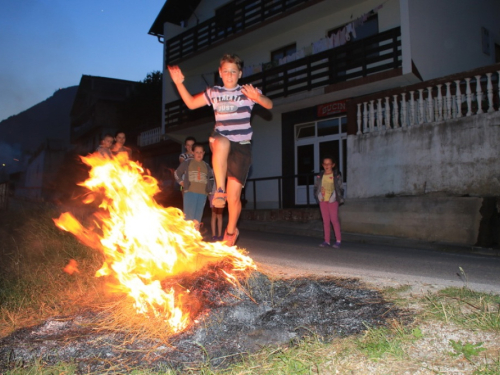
[358,59]
[448,98]
[231,19]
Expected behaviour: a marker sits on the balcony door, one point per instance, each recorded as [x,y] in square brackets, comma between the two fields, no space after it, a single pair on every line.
[313,141]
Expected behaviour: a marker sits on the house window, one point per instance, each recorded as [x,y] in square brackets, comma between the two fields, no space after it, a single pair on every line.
[367,29]
[305,130]
[224,16]
[278,54]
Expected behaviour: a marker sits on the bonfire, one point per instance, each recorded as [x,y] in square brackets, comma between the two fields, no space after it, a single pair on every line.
[146,246]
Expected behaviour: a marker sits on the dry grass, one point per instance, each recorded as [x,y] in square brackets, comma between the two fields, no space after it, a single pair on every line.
[456,330]
[34,252]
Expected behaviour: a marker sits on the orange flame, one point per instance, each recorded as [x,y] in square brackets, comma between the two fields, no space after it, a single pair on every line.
[71,267]
[144,243]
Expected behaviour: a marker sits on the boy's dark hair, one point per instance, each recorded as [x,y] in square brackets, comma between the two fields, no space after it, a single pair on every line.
[107,135]
[190,139]
[232,58]
[118,132]
[197,145]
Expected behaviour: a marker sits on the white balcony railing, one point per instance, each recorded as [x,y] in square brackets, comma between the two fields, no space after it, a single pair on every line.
[149,137]
[444,101]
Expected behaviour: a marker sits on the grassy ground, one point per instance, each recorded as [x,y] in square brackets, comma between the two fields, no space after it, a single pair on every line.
[455,330]
[33,253]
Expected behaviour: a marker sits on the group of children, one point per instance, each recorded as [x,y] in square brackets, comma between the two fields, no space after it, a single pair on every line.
[112,146]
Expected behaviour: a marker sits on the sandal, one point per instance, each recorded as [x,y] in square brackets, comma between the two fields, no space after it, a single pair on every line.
[230,239]
[219,199]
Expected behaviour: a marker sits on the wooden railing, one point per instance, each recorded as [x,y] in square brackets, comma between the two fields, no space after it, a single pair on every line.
[231,19]
[354,60]
[459,95]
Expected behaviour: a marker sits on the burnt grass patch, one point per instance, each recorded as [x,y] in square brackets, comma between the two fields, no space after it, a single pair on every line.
[231,322]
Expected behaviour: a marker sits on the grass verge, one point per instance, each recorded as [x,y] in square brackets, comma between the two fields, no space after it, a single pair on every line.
[455,330]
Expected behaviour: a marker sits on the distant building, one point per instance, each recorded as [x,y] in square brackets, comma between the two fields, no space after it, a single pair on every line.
[40,182]
[97,110]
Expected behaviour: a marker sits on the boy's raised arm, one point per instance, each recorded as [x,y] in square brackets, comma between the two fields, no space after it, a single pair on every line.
[252,93]
[192,102]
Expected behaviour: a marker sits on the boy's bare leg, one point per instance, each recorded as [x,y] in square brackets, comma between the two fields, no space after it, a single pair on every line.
[234,188]
[220,147]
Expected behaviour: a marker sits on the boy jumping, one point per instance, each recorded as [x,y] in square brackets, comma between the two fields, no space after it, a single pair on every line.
[231,139]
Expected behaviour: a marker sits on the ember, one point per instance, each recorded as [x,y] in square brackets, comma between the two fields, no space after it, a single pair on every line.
[145,244]
[233,321]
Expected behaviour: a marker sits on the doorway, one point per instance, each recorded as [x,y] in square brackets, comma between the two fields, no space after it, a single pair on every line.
[313,141]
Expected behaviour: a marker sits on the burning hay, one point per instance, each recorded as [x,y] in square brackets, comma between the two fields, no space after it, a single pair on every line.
[231,322]
[145,244]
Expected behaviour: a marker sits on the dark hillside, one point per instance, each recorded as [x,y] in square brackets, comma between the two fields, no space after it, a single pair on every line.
[47,119]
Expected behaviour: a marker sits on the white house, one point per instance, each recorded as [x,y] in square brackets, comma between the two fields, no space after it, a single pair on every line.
[346,79]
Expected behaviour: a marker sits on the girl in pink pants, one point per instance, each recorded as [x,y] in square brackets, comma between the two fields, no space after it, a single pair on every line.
[329,193]
[329,213]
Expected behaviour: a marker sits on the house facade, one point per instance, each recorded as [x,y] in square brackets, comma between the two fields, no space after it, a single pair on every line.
[365,81]
[40,177]
[97,110]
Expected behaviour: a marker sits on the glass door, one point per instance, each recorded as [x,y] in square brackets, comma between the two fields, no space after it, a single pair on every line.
[305,166]
[313,141]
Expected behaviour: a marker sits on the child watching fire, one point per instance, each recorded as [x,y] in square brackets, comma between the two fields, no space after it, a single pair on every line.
[196,178]
[104,148]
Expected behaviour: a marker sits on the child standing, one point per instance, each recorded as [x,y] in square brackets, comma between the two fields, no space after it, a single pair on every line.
[329,193]
[216,221]
[104,149]
[196,177]
[119,145]
[188,145]
[231,139]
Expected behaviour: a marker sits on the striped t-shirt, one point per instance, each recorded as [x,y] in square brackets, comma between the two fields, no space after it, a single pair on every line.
[232,112]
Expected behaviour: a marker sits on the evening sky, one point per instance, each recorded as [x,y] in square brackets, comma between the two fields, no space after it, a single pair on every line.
[46,45]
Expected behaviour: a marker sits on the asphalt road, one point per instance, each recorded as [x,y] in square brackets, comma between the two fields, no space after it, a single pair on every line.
[373,263]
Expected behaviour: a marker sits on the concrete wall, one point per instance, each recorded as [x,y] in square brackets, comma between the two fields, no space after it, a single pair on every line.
[457,157]
[427,218]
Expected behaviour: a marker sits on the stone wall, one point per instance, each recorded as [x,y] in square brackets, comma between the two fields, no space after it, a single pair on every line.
[457,157]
